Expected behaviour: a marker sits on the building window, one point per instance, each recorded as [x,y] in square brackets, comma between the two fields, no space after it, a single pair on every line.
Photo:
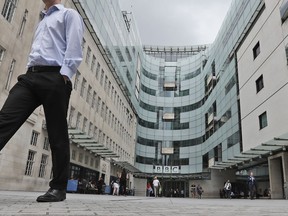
[80,158]
[112,93]
[95,133]
[109,117]
[256,50]
[218,153]
[91,162]
[263,120]
[286,51]
[102,77]
[2,51]
[88,55]
[168,116]
[100,136]
[89,94]
[23,23]
[97,71]
[86,159]
[83,87]
[77,78]
[9,9]
[29,163]
[106,113]
[73,155]
[98,105]
[84,127]
[93,63]
[34,138]
[10,73]
[105,84]
[83,43]
[71,116]
[78,120]
[284,10]
[102,110]
[259,83]
[233,139]
[43,166]
[93,99]
[230,85]
[46,143]
[90,129]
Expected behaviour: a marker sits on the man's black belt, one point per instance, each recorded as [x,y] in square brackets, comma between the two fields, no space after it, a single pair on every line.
[44,68]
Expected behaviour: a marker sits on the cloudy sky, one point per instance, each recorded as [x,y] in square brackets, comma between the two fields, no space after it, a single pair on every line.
[177,22]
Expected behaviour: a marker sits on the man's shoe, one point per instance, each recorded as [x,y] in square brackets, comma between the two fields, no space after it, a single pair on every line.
[52,195]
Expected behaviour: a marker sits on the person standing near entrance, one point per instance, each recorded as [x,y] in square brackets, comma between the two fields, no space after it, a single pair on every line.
[156,186]
[100,184]
[193,190]
[227,189]
[54,58]
[200,191]
[251,185]
[123,182]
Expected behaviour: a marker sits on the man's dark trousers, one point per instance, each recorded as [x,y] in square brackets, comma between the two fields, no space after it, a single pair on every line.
[41,86]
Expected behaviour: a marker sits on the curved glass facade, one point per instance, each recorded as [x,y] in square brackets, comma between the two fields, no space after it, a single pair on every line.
[186,98]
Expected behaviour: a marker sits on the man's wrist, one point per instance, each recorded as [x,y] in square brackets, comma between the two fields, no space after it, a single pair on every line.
[66,78]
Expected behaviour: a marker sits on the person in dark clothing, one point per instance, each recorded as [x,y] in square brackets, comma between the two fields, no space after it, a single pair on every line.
[123,182]
[200,191]
[100,184]
[251,185]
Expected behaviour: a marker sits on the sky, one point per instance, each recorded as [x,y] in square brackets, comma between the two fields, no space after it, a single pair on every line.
[177,22]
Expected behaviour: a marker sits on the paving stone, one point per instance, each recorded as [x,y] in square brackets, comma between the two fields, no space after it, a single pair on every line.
[24,203]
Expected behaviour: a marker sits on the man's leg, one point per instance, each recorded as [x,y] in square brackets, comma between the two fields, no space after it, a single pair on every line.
[55,102]
[55,94]
[19,105]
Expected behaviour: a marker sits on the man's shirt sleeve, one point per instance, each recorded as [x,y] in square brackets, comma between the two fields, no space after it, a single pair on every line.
[74,37]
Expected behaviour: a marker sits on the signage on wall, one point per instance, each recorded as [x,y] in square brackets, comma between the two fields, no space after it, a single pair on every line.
[166,169]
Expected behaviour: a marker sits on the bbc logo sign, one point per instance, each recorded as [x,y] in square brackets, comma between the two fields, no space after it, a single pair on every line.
[166,169]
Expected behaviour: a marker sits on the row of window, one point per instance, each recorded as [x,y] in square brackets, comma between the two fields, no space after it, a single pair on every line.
[259,86]
[8,12]
[10,70]
[175,160]
[31,162]
[186,77]
[99,135]
[84,158]
[91,96]
[100,107]
[32,156]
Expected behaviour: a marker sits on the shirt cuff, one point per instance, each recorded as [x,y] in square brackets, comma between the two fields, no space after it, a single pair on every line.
[67,71]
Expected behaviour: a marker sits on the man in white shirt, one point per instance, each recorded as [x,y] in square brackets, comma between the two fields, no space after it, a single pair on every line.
[227,188]
[156,185]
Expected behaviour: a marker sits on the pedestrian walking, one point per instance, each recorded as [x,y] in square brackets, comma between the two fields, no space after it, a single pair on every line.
[156,185]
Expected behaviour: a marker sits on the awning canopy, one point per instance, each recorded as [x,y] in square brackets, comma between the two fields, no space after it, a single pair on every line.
[127,166]
[255,155]
[90,144]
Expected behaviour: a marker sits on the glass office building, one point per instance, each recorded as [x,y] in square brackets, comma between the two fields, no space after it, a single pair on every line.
[186,98]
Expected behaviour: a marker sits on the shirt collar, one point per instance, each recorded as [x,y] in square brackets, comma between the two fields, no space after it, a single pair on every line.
[52,9]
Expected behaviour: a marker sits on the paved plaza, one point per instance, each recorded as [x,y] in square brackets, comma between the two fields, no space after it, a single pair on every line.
[23,203]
